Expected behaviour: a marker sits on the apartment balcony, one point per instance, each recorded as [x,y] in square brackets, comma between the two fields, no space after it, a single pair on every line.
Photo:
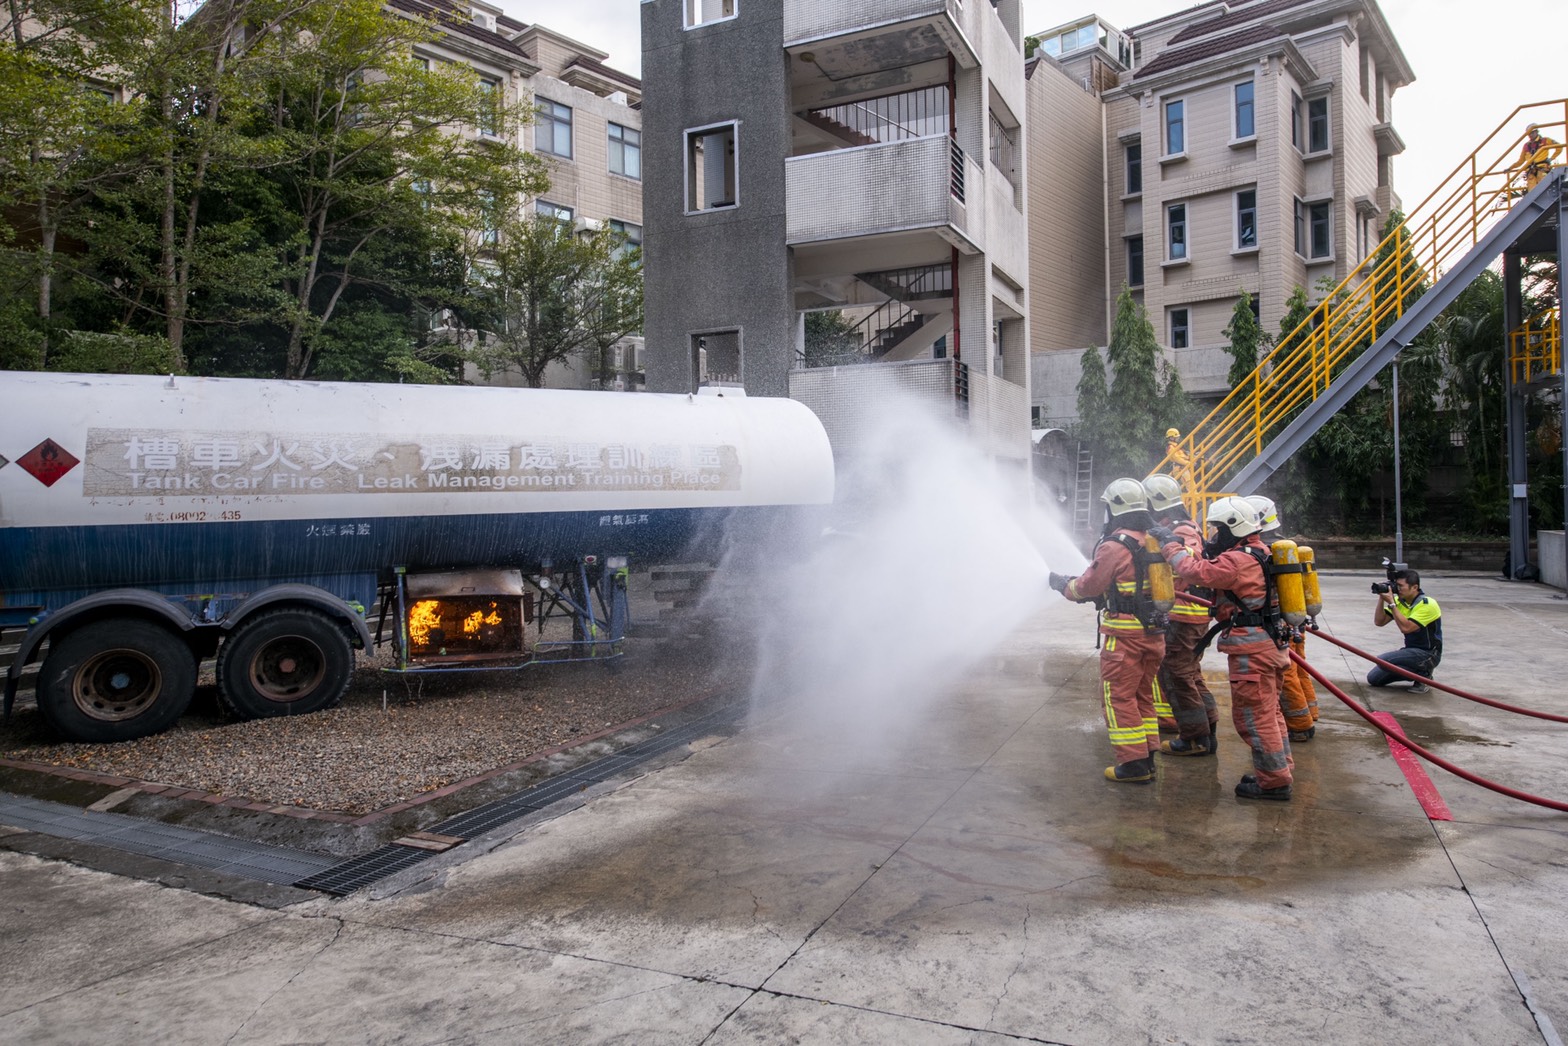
[912,27]
[919,184]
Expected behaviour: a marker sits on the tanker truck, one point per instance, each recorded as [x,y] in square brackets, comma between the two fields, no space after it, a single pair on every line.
[149,523]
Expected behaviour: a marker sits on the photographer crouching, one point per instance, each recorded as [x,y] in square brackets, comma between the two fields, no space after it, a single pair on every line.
[1417,615]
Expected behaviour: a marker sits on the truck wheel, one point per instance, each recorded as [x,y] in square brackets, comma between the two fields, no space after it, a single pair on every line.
[284,662]
[115,680]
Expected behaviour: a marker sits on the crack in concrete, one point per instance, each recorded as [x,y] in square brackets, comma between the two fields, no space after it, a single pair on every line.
[339,925]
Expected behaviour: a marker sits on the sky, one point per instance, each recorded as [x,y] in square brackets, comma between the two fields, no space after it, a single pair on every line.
[1471,72]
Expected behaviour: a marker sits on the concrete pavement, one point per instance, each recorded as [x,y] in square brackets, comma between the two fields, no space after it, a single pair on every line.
[964,877]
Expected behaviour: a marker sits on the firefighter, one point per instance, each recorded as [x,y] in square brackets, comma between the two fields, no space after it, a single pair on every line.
[1133,636]
[1298,698]
[1535,156]
[1181,673]
[1251,636]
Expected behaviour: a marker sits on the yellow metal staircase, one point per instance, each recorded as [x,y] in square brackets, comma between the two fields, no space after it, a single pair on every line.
[1483,207]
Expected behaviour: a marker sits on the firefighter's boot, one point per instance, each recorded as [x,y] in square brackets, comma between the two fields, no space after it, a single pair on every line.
[1136,771]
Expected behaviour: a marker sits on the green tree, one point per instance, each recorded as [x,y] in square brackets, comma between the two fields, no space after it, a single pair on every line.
[554,297]
[1133,442]
[61,135]
[1246,339]
[1094,399]
[832,340]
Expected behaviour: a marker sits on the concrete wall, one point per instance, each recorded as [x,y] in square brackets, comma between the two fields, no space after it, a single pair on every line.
[1553,557]
[697,279]
[1066,186]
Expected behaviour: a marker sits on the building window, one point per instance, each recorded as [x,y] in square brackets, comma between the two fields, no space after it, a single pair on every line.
[490,112]
[1317,125]
[1257,310]
[1175,128]
[1295,120]
[1246,219]
[701,12]
[1318,218]
[1180,332]
[1135,261]
[711,168]
[1299,224]
[490,229]
[715,358]
[1134,168]
[546,209]
[553,131]
[1176,232]
[625,151]
[1246,126]
[631,237]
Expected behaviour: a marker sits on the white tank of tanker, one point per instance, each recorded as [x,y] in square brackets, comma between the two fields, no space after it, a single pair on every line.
[226,497]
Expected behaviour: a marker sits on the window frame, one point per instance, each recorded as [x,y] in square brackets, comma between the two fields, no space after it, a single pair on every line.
[623,147]
[1134,249]
[490,120]
[1317,118]
[1184,327]
[1244,212]
[690,186]
[1172,224]
[690,10]
[1236,106]
[555,122]
[1320,215]
[1132,169]
[1180,105]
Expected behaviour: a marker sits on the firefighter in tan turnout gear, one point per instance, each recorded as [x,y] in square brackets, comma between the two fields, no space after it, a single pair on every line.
[1251,635]
[1123,579]
[1181,673]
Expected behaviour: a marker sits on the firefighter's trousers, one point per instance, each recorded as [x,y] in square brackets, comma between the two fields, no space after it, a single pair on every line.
[1129,661]
[1181,678]
[1255,678]
[1298,699]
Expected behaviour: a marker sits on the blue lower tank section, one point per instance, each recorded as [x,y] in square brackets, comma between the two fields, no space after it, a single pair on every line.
[50,566]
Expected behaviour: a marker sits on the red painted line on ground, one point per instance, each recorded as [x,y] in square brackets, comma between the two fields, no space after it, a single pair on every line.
[1425,791]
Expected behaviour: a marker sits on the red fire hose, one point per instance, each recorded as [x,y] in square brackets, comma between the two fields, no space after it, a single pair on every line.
[1441,686]
[1356,707]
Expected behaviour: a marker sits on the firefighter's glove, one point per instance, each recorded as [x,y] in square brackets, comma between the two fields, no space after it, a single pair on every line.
[1059,582]
[1162,534]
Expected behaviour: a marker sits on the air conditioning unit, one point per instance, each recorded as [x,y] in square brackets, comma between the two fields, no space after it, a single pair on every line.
[485,20]
[582,225]
[618,97]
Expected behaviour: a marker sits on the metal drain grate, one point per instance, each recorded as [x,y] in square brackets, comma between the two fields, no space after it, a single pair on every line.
[220,853]
[361,871]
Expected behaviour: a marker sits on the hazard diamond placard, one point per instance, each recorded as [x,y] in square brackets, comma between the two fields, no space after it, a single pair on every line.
[47,462]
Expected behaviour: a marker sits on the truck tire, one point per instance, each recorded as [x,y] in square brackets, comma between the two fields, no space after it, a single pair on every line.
[116,680]
[284,662]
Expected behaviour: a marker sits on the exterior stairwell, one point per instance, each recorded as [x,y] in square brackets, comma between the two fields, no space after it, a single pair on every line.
[1484,208]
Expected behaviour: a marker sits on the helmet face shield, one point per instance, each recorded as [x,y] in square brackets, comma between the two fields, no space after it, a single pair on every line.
[1268,515]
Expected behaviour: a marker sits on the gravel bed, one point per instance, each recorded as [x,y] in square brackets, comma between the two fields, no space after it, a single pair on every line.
[393,738]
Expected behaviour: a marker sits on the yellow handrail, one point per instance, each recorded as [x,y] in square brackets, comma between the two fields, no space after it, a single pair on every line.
[1438,232]
[1535,347]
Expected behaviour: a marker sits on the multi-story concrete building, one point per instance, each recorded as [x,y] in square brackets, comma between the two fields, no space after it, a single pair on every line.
[1229,147]
[812,155]
[587,127]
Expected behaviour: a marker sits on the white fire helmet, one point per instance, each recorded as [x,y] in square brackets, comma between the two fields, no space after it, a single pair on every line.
[1239,517]
[1123,496]
[1268,515]
[1163,491]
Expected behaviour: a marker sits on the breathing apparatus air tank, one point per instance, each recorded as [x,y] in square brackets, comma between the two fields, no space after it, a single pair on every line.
[1309,580]
[1162,587]
[1287,573]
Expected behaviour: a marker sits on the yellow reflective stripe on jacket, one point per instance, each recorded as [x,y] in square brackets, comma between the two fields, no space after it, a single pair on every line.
[1121,622]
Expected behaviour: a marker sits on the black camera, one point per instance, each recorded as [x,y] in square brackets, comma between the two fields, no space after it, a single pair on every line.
[1391,571]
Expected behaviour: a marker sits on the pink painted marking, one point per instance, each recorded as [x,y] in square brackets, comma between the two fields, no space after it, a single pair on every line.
[1410,764]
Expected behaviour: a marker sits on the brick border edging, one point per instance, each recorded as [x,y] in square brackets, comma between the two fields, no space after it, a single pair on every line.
[333,816]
